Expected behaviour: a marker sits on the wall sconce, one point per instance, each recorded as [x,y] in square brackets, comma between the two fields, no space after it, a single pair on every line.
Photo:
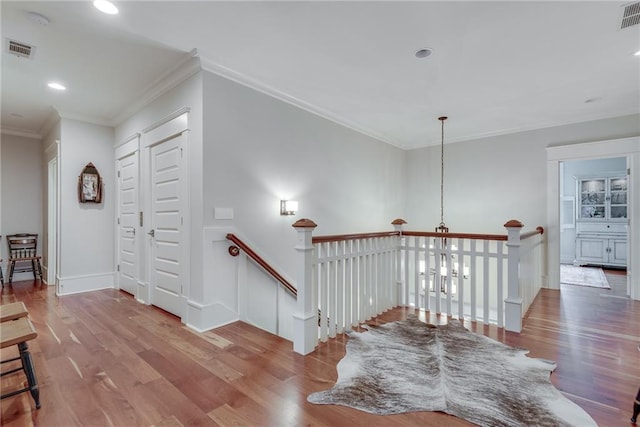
[288,207]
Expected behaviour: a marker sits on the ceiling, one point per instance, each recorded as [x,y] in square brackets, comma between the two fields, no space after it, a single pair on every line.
[495,67]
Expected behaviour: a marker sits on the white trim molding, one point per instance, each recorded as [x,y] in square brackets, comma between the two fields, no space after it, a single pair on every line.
[204,317]
[188,66]
[85,283]
[21,133]
[244,80]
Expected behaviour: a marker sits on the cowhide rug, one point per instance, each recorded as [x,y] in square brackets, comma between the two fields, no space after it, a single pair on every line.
[409,365]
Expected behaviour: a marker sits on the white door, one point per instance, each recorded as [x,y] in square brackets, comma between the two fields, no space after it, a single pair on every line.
[127,223]
[166,224]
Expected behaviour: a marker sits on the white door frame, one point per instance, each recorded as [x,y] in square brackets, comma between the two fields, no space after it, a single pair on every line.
[52,221]
[624,147]
[52,155]
[169,127]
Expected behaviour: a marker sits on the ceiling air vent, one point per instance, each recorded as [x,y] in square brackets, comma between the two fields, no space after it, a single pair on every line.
[20,49]
[630,15]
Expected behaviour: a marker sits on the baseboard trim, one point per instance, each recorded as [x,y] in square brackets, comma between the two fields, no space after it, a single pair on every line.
[85,283]
[204,317]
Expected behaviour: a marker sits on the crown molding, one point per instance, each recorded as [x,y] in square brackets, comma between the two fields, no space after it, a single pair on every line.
[541,126]
[82,118]
[20,132]
[166,119]
[185,68]
[52,119]
[229,74]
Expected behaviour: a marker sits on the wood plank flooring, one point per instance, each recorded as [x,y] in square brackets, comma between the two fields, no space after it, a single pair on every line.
[103,359]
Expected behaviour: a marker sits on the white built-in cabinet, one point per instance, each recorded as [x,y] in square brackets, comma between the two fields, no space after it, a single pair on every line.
[601,226]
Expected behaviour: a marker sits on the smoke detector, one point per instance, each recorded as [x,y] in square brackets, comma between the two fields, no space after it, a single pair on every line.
[38,18]
[20,49]
[630,15]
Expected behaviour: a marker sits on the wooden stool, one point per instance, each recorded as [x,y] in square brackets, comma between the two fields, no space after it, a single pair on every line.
[12,311]
[18,332]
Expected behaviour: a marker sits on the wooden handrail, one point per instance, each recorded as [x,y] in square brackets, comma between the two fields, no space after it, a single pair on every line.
[538,230]
[343,237]
[456,235]
[471,236]
[262,263]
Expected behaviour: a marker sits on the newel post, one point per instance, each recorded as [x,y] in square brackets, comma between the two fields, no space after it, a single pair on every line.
[513,303]
[401,297]
[305,319]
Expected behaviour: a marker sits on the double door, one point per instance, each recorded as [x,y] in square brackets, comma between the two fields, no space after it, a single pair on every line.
[151,240]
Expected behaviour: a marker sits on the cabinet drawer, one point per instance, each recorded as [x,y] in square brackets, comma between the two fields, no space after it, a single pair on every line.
[601,227]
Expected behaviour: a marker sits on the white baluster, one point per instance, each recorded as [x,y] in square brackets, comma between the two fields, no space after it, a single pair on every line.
[324,291]
[340,293]
[460,279]
[473,274]
[500,251]
[485,282]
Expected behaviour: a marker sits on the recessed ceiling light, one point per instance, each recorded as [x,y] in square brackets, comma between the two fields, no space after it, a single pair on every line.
[56,86]
[637,53]
[105,6]
[424,52]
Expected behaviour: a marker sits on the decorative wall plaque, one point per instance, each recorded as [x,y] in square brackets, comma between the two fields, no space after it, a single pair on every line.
[90,185]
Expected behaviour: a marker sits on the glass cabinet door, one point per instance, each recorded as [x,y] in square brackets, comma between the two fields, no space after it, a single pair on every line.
[593,198]
[618,198]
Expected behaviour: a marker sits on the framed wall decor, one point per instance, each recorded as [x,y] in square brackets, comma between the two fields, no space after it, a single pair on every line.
[90,185]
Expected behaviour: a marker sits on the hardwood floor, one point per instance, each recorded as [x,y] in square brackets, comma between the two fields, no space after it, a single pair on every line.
[103,359]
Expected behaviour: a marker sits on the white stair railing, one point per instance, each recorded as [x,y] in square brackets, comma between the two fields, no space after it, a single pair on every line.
[346,280]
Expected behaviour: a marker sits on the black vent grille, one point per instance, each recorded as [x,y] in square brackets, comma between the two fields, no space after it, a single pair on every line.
[631,15]
[20,49]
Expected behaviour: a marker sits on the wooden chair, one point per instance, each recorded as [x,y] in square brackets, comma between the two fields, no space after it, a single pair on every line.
[23,252]
[18,332]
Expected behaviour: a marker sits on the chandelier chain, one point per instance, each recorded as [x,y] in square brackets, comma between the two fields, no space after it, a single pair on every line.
[442,119]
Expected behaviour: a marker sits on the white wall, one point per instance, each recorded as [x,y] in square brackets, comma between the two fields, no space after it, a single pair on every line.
[259,150]
[86,229]
[489,181]
[21,191]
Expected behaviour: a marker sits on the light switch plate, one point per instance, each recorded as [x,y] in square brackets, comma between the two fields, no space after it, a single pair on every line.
[223,213]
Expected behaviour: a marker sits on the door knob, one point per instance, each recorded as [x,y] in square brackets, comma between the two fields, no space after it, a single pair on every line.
[152,233]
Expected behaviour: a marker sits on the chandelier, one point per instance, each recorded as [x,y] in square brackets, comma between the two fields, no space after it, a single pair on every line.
[442,228]
[448,264]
